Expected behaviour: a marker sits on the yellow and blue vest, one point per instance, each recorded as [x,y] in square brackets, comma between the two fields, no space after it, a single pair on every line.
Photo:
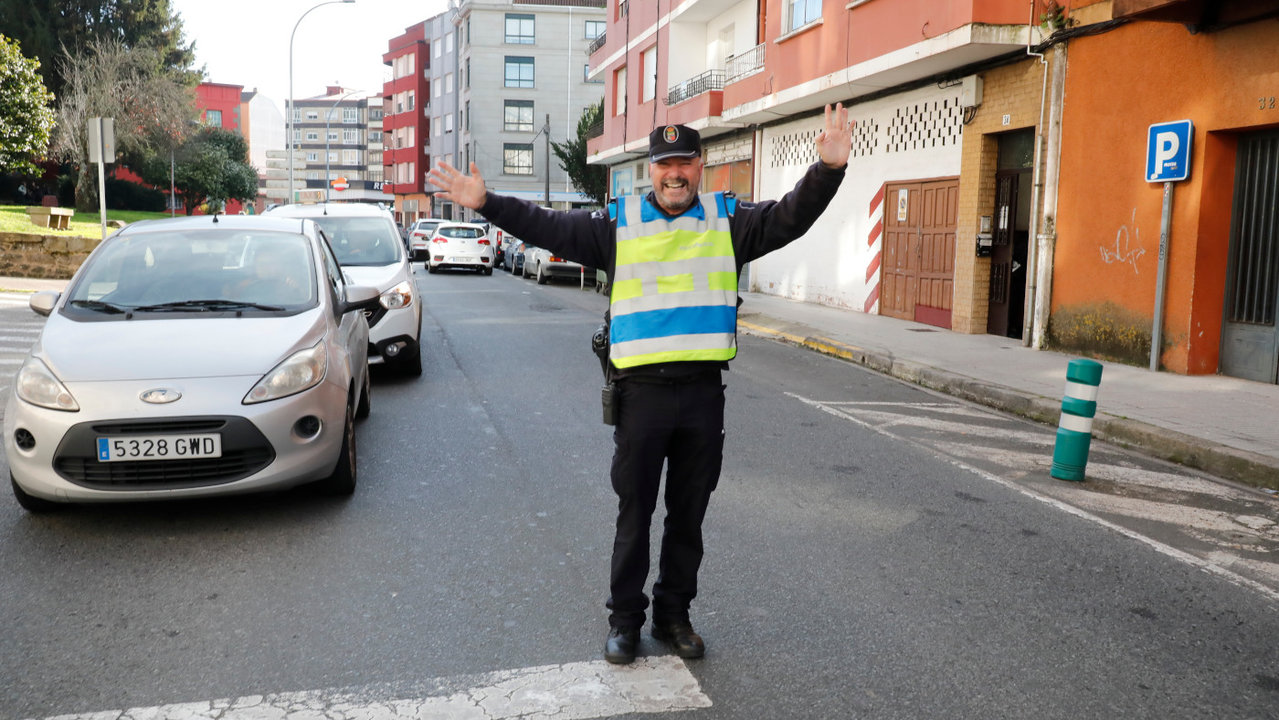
[674,289]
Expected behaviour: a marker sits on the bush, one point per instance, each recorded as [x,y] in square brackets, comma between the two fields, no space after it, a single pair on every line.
[125,195]
[66,190]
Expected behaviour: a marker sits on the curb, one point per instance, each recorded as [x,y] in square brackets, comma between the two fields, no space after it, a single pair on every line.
[1228,463]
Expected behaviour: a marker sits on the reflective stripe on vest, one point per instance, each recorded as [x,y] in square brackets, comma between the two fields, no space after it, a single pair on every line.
[674,291]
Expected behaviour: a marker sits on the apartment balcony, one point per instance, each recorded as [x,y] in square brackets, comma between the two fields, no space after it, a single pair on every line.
[745,64]
[596,44]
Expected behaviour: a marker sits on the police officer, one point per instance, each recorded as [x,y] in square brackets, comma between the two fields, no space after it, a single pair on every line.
[673,257]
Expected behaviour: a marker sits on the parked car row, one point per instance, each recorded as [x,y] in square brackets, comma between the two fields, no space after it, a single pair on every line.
[230,354]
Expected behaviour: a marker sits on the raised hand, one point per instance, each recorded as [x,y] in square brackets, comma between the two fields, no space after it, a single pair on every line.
[835,141]
[456,186]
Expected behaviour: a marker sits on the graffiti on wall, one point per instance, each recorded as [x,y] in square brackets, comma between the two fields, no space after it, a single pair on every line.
[1127,246]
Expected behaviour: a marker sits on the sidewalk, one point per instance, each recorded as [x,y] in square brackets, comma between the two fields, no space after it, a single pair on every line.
[1224,426]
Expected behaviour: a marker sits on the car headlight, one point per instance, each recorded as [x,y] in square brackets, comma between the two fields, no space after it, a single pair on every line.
[302,370]
[397,297]
[37,385]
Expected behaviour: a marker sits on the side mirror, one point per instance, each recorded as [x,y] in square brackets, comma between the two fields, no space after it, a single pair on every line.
[42,302]
[360,297]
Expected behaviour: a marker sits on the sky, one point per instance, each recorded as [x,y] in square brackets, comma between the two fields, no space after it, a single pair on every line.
[246,42]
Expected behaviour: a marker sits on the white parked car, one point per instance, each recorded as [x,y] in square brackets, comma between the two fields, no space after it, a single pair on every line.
[461,245]
[368,246]
[541,264]
[193,357]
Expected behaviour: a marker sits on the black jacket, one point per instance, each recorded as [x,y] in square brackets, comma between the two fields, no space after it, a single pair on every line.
[588,237]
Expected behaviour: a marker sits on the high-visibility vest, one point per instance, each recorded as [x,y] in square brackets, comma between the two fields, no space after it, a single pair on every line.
[673,296]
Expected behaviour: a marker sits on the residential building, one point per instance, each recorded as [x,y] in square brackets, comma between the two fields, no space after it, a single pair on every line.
[265,124]
[332,135]
[490,83]
[406,98]
[993,186]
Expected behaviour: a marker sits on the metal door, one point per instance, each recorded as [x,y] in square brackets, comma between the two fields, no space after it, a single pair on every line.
[1249,336]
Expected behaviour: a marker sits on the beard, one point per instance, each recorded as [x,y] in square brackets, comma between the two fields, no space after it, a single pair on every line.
[675,198]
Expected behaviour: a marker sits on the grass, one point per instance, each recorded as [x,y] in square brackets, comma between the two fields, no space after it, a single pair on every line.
[14,219]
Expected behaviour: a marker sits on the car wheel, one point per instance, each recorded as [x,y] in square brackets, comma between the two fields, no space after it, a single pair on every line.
[430,268]
[342,481]
[31,503]
[488,271]
[366,400]
[542,279]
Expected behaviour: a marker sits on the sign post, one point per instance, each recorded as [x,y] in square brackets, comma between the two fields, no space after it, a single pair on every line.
[102,151]
[1167,161]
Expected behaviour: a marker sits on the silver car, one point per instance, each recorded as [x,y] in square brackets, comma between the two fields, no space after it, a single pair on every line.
[193,357]
[368,246]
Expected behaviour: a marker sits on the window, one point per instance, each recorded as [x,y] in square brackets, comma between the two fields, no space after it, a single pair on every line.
[594,28]
[448,83]
[517,158]
[448,123]
[409,100]
[375,114]
[333,135]
[802,12]
[312,156]
[375,137]
[466,79]
[350,137]
[435,130]
[648,70]
[350,157]
[518,116]
[466,116]
[312,136]
[312,114]
[439,50]
[519,29]
[519,71]
[350,115]
[213,118]
[586,75]
[448,43]
[619,91]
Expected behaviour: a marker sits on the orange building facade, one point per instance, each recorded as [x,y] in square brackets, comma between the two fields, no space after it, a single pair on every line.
[1221,251]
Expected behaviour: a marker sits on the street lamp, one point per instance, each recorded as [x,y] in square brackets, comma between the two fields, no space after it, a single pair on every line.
[328,180]
[288,131]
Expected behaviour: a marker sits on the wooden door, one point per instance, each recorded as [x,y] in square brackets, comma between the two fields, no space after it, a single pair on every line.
[917,277]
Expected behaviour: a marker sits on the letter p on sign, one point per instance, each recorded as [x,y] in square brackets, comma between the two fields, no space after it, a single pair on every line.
[1168,151]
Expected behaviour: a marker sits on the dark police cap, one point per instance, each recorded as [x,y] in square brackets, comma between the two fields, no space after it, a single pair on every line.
[673,141]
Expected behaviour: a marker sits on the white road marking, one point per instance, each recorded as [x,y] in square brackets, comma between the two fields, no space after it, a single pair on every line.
[574,691]
[1172,552]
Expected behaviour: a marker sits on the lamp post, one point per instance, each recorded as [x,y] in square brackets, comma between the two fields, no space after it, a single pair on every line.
[288,130]
[328,180]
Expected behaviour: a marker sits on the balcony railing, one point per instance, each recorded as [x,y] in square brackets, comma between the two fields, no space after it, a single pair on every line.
[596,44]
[595,130]
[743,64]
[696,85]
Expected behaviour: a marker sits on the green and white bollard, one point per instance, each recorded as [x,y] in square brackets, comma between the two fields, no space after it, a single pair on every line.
[1074,432]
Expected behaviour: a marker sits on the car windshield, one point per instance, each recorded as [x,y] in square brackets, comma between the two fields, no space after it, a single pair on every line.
[197,271]
[363,241]
[458,231]
[426,226]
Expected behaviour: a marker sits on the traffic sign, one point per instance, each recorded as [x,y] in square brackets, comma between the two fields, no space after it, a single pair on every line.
[1168,151]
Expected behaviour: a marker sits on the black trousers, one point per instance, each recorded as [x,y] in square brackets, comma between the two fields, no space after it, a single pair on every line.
[681,424]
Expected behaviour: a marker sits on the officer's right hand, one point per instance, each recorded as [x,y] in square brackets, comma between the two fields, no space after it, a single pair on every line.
[465,190]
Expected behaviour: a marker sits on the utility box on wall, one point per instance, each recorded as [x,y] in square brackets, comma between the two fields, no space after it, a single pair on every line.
[970,92]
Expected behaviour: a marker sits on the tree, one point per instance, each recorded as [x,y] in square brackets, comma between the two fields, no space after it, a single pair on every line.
[45,27]
[211,166]
[26,120]
[590,180]
[108,79]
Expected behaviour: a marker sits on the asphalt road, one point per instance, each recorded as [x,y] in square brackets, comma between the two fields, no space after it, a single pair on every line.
[873,550]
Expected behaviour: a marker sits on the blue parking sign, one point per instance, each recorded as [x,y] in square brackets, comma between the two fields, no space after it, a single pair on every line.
[1168,151]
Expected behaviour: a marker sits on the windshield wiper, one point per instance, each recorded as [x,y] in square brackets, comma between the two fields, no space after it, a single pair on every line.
[100,306]
[205,305]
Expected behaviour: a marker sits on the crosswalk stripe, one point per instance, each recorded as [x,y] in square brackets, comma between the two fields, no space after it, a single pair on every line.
[574,691]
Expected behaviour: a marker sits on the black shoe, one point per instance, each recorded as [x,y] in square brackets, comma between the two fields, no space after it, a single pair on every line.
[680,636]
[620,647]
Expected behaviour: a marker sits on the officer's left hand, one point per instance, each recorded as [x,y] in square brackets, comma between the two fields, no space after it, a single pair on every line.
[835,142]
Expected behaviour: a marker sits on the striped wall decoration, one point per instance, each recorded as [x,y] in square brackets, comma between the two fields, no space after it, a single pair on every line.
[874,240]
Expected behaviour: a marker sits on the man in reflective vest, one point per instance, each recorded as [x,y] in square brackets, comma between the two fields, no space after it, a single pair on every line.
[673,257]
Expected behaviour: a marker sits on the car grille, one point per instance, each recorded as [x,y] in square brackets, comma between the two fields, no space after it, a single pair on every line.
[245,451]
[374,316]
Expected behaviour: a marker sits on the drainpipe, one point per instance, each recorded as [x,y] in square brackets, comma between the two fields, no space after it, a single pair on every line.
[1032,250]
[1047,238]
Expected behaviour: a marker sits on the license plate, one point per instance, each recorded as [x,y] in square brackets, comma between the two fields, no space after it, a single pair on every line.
[159,447]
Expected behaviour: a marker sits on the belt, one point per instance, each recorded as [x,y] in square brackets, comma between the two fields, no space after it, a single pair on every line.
[690,379]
